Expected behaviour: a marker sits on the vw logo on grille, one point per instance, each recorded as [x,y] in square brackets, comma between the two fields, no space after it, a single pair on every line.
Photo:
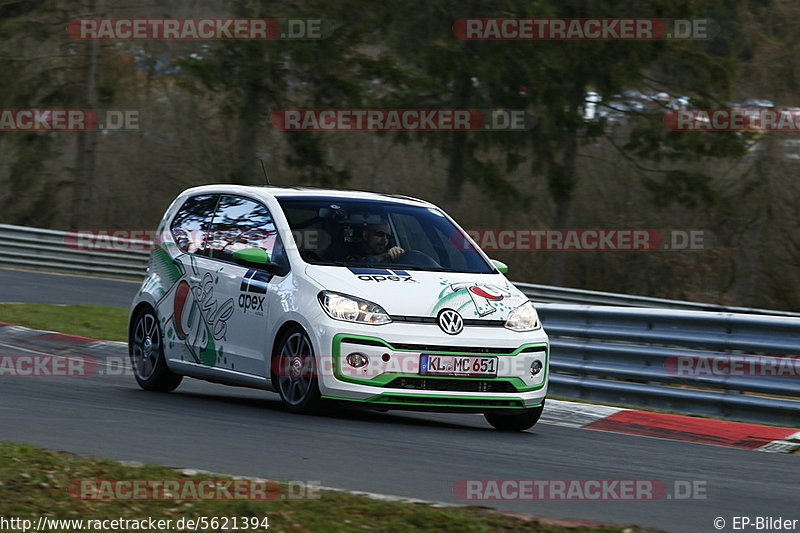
[451,322]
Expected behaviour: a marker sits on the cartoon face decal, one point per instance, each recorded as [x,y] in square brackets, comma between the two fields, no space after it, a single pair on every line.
[483,298]
[487,291]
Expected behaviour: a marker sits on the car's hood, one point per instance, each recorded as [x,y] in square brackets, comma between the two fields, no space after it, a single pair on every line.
[423,294]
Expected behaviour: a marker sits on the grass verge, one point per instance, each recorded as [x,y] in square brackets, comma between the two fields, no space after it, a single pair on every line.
[34,482]
[96,321]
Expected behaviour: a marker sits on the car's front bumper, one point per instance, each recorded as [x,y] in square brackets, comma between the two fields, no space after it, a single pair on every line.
[391,379]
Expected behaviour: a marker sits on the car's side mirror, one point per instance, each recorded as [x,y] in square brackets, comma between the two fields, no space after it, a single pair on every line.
[257,257]
[500,266]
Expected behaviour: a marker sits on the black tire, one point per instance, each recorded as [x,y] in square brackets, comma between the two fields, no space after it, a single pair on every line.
[294,373]
[146,350]
[520,421]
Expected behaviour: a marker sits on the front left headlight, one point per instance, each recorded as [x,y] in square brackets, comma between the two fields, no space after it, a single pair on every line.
[351,309]
[523,318]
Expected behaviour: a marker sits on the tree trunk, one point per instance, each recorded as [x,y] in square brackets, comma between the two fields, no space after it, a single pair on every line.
[245,162]
[563,190]
[457,148]
[455,170]
[83,185]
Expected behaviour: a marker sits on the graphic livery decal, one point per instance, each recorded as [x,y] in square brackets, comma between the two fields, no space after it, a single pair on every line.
[482,296]
[255,282]
[199,319]
[382,274]
[477,299]
[162,272]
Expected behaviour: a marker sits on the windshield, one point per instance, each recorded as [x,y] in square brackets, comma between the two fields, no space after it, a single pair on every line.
[364,233]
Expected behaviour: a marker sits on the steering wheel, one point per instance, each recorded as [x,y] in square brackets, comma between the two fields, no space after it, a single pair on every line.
[417,258]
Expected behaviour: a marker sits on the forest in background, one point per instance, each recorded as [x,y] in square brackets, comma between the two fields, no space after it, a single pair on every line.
[205,108]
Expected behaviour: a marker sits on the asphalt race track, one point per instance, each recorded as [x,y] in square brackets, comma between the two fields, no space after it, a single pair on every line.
[246,432]
[42,287]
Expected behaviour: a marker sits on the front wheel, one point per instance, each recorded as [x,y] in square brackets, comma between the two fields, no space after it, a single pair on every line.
[525,419]
[295,373]
[146,349]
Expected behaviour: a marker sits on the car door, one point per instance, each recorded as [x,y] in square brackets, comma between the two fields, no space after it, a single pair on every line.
[195,319]
[240,223]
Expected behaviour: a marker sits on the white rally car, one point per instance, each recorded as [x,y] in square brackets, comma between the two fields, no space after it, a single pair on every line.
[325,295]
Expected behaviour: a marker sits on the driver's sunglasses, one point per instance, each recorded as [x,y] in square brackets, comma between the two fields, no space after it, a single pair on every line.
[381,234]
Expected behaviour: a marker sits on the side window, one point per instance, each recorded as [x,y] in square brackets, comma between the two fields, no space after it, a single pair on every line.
[313,236]
[189,225]
[242,223]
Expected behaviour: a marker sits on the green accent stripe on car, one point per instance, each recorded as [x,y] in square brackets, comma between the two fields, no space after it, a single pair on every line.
[386,377]
[438,400]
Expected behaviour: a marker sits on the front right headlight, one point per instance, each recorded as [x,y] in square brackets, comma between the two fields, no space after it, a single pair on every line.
[523,318]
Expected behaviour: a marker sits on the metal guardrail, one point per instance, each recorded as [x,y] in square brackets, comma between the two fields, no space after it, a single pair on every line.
[619,354]
[727,365]
[64,252]
[550,294]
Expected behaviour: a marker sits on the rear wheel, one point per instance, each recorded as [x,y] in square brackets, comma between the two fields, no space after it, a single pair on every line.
[295,373]
[524,419]
[146,349]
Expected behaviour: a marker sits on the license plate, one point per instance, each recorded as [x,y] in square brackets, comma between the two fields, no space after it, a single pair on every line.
[458,366]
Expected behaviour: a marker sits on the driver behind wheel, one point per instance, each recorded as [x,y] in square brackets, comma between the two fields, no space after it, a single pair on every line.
[375,247]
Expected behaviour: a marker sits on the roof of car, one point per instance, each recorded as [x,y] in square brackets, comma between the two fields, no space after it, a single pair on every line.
[303,192]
